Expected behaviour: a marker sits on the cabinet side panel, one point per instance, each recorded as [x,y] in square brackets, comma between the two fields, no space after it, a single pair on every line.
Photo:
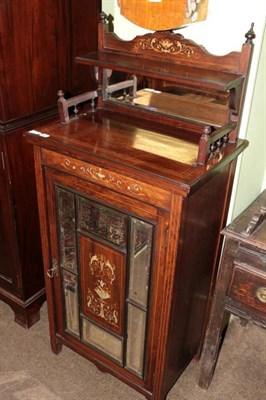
[200,241]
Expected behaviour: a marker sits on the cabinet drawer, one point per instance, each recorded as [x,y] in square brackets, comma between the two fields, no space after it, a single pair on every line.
[113,180]
[248,286]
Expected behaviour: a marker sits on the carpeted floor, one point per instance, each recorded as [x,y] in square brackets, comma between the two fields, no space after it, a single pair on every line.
[30,371]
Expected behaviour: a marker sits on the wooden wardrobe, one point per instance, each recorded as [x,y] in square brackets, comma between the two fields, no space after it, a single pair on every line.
[38,42]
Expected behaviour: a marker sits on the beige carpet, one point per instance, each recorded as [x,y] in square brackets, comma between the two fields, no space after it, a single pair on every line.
[30,371]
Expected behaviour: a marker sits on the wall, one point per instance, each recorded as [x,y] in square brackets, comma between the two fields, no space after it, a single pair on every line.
[108,7]
[252,169]
[222,32]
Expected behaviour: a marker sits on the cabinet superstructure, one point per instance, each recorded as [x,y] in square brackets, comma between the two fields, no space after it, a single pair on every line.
[132,198]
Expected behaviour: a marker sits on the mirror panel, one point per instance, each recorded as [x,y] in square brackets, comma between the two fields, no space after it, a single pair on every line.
[70,286]
[165,97]
[102,340]
[140,259]
[135,339]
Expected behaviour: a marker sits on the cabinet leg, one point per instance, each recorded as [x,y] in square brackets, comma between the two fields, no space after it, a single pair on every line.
[150,397]
[27,318]
[208,366]
[214,331]
[56,348]
[26,313]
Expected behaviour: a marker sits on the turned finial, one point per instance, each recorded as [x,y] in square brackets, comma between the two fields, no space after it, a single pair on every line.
[103,18]
[60,94]
[250,35]
[206,131]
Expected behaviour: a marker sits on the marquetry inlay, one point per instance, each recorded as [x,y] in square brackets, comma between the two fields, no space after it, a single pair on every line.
[99,174]
[113,180]
[103,280]
[103,272]
[165,45]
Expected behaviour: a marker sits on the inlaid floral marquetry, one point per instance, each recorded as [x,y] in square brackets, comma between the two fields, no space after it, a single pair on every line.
[102,271]
[110,179]
[99,174]
[165,45]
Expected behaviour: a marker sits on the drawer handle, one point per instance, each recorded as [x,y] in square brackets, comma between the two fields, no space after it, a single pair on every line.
[261,294]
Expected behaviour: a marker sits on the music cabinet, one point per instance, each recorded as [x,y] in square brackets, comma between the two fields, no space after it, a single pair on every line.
[38,41]
[133,191]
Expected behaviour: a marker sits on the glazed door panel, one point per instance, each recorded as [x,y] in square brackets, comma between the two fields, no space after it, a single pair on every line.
[104,247]
[8,271]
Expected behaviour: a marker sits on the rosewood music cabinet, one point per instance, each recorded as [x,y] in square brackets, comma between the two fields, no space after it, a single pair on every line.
[133,192]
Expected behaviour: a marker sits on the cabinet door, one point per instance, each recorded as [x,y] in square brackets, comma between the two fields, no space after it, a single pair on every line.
[8,262]
[103,244]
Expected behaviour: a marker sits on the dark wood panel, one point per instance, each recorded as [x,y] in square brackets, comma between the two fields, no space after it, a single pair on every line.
[29,56]
[8,255]
[38,44]
[38,41]
[84,39]
[24,202]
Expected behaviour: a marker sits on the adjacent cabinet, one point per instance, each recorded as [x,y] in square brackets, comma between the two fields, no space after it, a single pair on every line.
[133,191]
[37,44]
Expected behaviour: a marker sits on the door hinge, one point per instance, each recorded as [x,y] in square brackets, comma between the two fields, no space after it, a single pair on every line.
[54,270]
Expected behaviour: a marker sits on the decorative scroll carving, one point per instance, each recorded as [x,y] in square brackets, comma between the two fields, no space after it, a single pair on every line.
[98,174]
[165,45]
[104,273]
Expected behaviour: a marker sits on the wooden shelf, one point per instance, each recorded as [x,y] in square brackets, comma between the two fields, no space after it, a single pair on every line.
[180,74]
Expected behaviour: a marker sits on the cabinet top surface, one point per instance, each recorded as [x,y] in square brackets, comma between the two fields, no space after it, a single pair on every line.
[107,137]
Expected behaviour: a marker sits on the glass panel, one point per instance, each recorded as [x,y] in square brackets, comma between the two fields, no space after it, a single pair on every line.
[135,339]
[70,287]
[67,229]
[104,222]
[102,340]
[140,259]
